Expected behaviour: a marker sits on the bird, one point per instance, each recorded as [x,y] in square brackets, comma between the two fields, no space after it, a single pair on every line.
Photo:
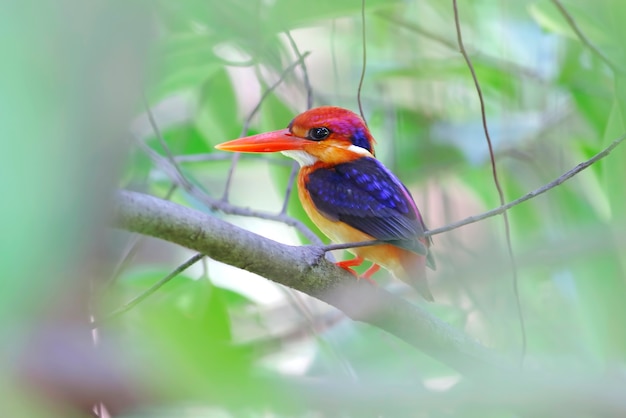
[349,194]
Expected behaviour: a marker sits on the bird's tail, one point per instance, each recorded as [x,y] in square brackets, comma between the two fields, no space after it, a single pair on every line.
[414,273]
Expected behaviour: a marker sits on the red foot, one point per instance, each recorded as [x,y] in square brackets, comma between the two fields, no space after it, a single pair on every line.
[370,272]
[355,262]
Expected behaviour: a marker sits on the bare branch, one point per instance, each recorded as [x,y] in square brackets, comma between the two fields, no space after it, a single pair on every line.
[556,182]
[135,301]
[246,125]
[305,269]
[309,104]
[213,156]
[157,133]
[363,63]
[295,167]
[496,180]
[217,204]
[305,71]
[497,62]
[345,246]
[570,21]
[472,219]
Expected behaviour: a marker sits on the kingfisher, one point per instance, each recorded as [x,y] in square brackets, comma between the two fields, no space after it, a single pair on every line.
[349,194]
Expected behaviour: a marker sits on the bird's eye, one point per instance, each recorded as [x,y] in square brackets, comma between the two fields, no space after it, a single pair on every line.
[317,134]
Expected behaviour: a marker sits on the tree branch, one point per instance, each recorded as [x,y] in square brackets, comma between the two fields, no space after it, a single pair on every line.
[530,195]
[496,180]
[581,36]
[304,268]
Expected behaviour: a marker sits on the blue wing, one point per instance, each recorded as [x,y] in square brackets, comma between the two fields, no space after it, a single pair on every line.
[365,195]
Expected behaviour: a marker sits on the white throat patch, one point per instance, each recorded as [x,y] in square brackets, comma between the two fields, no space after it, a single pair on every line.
[304,158]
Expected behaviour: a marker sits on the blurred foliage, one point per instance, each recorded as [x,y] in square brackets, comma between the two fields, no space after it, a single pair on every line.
[201,344]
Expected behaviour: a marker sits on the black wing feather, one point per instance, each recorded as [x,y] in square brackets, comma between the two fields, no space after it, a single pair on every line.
[366,196]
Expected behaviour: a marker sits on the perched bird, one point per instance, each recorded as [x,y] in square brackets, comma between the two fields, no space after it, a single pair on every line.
[349,194]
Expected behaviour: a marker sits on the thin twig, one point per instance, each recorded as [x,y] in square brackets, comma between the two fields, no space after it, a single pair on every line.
[157,133]
[500,209]
[201,157]
[305,269]
[131,248]
[469,220]
[305,72]
[273,87]
[309,105]
[346,245]
[212,156]
[171,160]
[363,63]
[138,299]
[295,167]
[494,171]
[217,204]
[570,20]
[314,326]
[333,54]
[234,160]
[556,182]
[248,121]
[497,62]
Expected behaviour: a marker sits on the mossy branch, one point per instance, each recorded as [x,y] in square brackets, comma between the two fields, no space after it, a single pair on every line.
[305,268]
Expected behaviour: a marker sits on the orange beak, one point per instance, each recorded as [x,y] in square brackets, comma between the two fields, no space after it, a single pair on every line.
[274,141]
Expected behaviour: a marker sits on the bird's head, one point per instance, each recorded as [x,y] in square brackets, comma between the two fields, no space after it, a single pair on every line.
[326,134]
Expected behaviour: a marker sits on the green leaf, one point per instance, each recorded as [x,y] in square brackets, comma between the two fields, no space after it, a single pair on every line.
[183,62]
[181,139]
[495,78]
[593,100]
[190,321]
[548,17]
[216,117]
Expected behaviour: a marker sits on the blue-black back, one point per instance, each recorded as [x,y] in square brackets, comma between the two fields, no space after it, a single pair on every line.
[365,195]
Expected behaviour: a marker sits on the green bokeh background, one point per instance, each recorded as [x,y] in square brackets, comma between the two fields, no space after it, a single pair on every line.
[73,79]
